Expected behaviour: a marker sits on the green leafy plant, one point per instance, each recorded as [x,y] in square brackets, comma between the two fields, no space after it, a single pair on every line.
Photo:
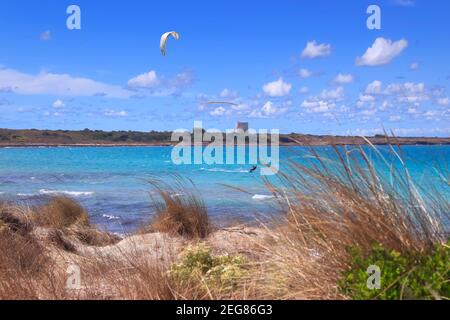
[412,275]
[198,264]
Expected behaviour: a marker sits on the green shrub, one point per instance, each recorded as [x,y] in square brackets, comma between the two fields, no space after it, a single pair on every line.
[403,276]
[200,265]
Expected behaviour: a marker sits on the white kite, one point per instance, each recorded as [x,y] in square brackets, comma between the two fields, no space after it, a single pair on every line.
[164,39]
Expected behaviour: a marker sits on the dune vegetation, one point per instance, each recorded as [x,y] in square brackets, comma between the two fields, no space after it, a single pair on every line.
[339,219]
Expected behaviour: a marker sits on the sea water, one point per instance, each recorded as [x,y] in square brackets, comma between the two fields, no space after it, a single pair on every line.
[113,182]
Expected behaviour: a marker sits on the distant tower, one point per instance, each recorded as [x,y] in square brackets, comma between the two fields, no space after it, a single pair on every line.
[242,125]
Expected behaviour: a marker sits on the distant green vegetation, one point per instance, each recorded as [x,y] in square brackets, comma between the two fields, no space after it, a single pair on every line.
[412,275]
[82,137]
[87,136]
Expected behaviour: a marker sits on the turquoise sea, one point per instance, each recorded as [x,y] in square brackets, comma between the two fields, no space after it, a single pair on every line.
[112,182]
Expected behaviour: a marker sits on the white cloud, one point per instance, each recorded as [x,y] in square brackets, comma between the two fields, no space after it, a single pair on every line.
[408,92]
[315,50]
[374,87]
[444,102]
[382,52]
[343,78]
[366,98]
[305,73]
[414,66]
[145,80]
[113,113]
[47,113]
[229,94]
[394,118]
[181,81]
[333,94]
[412,110]
[57,84]
[385,105]
[46,36]
[58,104]
[369,112]
[303,90]
[268,110]
[219,111]
[277,88]
[318,106]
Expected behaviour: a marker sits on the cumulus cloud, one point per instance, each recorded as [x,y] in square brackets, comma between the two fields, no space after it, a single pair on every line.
[145,80]
[57,84]
[443,102]
[58,104]
[318,106]
[408,92]
[382,52]
[366,98]
[229,94]
[343,78]
[268,110]
[374,87]
[151,83]
[314,50]
[219,111]
[333,94]
[277,88]
[305,73]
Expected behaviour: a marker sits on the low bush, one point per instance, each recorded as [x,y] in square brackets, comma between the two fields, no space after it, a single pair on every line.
[198,264]
[412,275]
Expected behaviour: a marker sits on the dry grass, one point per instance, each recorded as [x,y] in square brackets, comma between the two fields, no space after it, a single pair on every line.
[61,212]
[179,211]
[333,206]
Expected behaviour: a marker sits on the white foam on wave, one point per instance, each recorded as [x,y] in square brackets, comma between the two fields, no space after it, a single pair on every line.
[110,217]
[261,197]
[69,193]
[175,195]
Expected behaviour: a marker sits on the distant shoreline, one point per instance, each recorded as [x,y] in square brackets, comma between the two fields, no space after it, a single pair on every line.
[96,138]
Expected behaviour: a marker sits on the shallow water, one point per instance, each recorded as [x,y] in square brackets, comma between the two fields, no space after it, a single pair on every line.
[112,183]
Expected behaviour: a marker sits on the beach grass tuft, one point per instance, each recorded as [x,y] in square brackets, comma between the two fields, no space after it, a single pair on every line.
[179,210]
[61,212]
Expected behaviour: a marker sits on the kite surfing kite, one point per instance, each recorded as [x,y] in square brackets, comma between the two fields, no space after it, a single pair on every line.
[164,39]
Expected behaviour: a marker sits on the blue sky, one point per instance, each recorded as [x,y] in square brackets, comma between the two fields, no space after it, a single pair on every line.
[298,66]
